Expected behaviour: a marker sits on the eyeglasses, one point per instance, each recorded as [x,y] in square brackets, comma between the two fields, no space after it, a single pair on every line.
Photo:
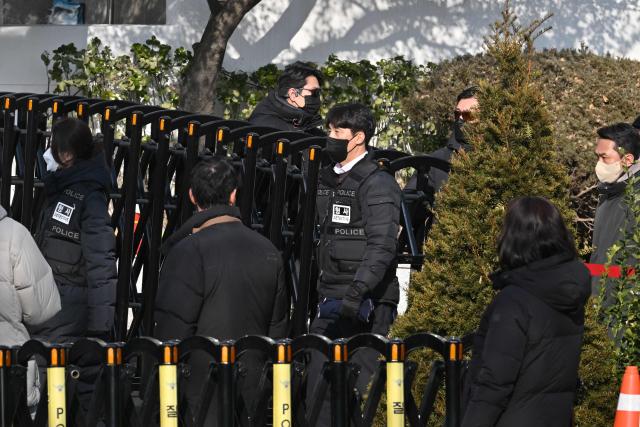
[314,92]
[466,116]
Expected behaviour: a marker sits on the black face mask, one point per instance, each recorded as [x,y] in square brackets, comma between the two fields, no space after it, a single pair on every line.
[458,132]
[311,104]
[337,149]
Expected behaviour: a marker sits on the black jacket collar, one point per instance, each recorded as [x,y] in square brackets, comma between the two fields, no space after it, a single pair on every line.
[360,170]
[277,106]
[561,281]
[197,220]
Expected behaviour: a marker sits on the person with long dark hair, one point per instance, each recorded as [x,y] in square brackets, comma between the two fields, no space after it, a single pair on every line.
[524,369]
[77,240]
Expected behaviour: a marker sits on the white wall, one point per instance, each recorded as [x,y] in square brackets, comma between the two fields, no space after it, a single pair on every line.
[281,31]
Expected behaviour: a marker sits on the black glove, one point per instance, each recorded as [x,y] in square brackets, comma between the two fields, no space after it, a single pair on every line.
[352,301]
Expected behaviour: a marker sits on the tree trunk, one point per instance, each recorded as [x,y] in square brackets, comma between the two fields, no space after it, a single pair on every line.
[197,92]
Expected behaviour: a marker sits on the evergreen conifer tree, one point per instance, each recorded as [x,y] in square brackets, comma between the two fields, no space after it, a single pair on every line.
[513,154]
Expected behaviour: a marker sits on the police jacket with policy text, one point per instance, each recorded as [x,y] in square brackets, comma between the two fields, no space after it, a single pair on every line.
[358,215]
[77,240]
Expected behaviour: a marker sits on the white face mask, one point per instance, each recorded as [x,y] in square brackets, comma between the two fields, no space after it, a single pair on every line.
[52,165]
[608,173]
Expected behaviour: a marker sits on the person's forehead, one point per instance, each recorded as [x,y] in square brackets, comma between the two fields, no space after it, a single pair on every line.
[467,104]
[603,145]
[311,82]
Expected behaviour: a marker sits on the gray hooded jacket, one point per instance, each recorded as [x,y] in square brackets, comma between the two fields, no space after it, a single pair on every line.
[28,293]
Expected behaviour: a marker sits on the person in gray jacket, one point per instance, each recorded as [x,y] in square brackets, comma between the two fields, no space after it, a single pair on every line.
[28,293]
[618,148]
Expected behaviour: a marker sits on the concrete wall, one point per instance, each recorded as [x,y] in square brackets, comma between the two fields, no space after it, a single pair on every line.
[281,31]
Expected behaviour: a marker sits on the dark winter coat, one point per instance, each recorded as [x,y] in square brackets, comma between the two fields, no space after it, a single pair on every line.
[233,286]
[524,369]
[610,221]
[438,177]
[222,280]
[361,245]
[76,239]
[274,111]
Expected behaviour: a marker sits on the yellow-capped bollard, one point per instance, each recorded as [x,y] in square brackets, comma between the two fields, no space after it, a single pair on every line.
[282,410]
[56,389]
[168,378]
[395,384]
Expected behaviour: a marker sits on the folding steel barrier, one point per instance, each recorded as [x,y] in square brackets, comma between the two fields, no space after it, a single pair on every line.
[277,397]
[151,152]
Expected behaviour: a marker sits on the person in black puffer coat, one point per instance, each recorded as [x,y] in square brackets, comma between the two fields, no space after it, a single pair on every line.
[294,104]
[76,239]
[524,369]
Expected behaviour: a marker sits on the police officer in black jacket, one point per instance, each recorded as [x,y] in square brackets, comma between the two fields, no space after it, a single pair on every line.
[358,207]
[77,240]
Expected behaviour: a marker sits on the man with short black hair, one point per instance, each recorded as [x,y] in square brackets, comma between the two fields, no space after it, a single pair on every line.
[358,206]
[618,150]
[220,279]
[295,103]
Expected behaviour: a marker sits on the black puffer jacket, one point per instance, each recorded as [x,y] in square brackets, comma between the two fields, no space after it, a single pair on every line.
[233,286]
[76,239]
[275,112]
[361,246]
[524,369]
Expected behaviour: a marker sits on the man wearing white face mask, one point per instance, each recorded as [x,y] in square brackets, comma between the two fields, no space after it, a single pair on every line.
[618,149]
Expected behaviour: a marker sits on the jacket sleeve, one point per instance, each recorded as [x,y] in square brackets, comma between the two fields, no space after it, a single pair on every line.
[33,280]
[502,354]
[381,215]
[279,326]
[98,250]
[180,294]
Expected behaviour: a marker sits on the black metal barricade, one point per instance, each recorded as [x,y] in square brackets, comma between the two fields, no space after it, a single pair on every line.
[151,152]
[274,392]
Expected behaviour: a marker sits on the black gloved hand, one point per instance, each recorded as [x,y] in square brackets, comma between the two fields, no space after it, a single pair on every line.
[352,301]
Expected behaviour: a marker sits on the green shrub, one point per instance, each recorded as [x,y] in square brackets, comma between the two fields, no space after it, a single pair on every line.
[152,72]
[149,75]
[515,153]
[582,92]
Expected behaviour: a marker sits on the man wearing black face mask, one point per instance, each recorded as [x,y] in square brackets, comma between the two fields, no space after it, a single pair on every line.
[358,207]
[465,112]
[294,105]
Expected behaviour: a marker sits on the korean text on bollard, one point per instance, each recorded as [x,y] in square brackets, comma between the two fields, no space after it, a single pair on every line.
[282,412]
[453,366]
[56,390]
[226,393]
[168,379]
[339,384]
[114,363]
[395,384]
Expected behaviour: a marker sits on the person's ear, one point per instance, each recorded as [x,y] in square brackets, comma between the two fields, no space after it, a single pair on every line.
[359,138]
[628,159]
[232,197]
[192,198]
[293,93]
